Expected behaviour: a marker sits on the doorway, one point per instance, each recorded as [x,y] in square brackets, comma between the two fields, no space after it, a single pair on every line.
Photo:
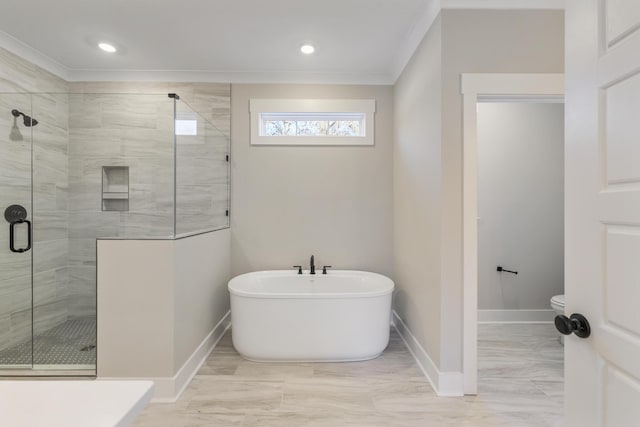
[520,251]
[482,88]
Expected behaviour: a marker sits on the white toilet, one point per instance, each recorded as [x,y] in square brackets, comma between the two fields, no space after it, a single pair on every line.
[557,304]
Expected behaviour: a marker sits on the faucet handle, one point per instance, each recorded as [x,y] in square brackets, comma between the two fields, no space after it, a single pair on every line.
[324,269]
[299,267]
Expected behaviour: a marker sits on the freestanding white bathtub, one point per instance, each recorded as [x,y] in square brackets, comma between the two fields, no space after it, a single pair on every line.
[283,316]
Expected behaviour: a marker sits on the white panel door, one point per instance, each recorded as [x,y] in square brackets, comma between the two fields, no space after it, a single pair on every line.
[602,223]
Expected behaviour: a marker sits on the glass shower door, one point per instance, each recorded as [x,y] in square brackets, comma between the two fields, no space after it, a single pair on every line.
[16,316]
[47,315]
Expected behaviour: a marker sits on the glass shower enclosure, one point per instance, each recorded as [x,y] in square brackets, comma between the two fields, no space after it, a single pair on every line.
[76,167]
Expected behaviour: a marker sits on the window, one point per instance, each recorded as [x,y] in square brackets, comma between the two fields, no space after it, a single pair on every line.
[312,122]
[186,127]
[186,123]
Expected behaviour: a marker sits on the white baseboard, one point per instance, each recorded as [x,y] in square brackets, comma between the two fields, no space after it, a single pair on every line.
[516,316]
[444,383]
[195,361]
[169,389]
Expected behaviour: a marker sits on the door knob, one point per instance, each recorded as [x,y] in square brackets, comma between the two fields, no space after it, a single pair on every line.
[576,323]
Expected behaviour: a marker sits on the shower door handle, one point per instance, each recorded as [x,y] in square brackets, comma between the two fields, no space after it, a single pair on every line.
[12,226]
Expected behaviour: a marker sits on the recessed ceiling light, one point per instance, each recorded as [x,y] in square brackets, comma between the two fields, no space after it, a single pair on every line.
[107,47]
[307,49]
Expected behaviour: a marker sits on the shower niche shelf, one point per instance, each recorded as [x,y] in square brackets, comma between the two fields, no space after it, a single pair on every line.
[115,188]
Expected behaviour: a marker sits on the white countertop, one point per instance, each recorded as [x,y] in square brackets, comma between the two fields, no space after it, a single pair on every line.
[62,403]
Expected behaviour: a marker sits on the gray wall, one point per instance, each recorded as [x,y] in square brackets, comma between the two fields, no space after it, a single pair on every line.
[520,204]
[291,202]
[49,210]
[467,41]
[202,271]
[416,191]
[487,41]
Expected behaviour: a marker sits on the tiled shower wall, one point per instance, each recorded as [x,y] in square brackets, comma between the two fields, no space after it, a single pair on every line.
[50,200]
[136,130]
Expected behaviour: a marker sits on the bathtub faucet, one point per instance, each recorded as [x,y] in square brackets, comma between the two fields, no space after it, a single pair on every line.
[312,266]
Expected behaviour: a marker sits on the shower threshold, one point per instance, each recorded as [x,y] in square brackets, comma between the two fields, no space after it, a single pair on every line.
[60,373]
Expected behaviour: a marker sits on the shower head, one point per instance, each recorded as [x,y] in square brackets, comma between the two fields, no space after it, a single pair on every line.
[28,121]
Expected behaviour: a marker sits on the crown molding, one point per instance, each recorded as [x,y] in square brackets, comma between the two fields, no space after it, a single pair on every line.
[32,55]
[192,76]
[414,37]
[504,4]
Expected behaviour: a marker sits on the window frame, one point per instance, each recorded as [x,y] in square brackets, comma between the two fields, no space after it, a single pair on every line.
[313,107]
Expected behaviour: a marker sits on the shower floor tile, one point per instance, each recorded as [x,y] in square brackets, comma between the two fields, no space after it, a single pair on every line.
[71,344]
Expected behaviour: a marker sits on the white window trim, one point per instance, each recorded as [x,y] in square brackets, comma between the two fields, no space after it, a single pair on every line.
[266,106]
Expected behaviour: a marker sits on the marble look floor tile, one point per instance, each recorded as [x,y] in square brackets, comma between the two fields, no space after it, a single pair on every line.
[273,370]
[520,384]
[221,363]
[325,394]
[209,420]
[162,415]
[218,369]
[391,365]
[513,387]
[519,369]
[235,397]
[552,388]
[408,395]
[279,419]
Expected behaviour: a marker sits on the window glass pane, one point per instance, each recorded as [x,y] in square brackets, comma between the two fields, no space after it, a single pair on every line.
[289,127]
[312,127]
[186,127]
[279,127]
[315,124]
[344,128]
[273,127]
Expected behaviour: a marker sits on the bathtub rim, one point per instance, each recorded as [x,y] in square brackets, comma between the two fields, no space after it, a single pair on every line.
[388,289]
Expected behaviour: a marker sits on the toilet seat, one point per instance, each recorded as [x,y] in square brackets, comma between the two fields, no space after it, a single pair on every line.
[557,302]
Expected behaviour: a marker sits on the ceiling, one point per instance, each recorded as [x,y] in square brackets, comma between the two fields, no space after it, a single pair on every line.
[357,41]
[233,40]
